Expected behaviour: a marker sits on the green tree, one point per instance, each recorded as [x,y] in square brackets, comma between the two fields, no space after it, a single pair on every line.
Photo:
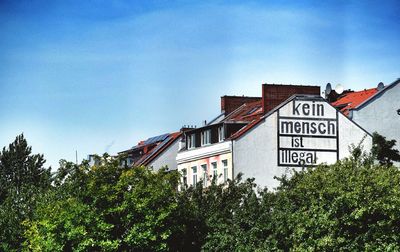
[224,217]
[18,168]
[105,208]
[383,150]
[22,179]
[352,205]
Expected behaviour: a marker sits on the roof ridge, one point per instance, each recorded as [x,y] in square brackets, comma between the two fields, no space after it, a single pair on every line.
[379,92]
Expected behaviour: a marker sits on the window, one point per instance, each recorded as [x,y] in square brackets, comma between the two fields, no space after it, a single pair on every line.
[184,177]
[214,170]
[194,172]
[221,133]
[225,165]
[191,141]
[205,178]
[206,137]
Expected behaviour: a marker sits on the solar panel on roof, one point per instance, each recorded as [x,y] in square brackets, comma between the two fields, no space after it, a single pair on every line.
[253,110]
[165,141]
[156,139]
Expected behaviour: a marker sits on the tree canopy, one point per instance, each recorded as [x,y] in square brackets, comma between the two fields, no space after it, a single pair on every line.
[352,205]
[22,179]
[384,150]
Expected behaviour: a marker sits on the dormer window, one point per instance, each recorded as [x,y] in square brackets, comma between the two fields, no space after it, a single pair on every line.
[191,140]
[206,137]
[221,133]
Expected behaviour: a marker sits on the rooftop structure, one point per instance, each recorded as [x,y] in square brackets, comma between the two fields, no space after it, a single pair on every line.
[352,99]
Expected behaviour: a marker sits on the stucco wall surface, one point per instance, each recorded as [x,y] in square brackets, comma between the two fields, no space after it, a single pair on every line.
[167,158]
[208,162]
[257,152]
[381,115]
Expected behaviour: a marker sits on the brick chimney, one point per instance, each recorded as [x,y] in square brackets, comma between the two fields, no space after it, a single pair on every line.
[230,103]
[273,95]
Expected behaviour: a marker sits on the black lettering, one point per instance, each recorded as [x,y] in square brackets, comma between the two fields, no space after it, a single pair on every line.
[297,127]
[309,158]
[296,142]
[296,108]
[322,131]
[306,109]
[295,157]
[306,127]
[320,110]
[313,128]
[331,127]
[301,159]
[286,127]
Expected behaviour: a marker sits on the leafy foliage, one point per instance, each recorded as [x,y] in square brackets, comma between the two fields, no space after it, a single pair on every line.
[353,205]
[22,179]
[349,205]
[107,208]
[384,150]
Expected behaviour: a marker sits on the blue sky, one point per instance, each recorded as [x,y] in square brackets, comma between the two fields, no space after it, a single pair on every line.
[97,76]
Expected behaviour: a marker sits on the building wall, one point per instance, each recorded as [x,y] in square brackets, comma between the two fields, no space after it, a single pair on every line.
[256,154]
[381,115]
[166,158]
[206,155]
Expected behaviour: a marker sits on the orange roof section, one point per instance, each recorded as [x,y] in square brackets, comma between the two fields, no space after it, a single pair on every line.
[352,100]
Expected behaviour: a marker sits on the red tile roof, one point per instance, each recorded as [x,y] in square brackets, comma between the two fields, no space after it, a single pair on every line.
[352,100]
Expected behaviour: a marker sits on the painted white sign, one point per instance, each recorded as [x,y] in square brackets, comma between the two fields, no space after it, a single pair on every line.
[307,134]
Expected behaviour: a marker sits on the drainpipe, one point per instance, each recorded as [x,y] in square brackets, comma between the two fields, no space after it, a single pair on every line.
[233,173]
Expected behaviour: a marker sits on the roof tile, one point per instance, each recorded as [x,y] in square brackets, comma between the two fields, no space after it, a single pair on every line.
[352,100]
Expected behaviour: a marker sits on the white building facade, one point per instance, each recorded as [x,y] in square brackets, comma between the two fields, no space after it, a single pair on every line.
[303,131]
[381,113]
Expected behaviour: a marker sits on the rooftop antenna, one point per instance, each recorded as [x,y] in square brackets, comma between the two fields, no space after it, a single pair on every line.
[339,89]
[380,86]
[328,89]
[76,156]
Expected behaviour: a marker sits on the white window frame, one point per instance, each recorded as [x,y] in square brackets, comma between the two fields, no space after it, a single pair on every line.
[225,166]
[206,137]
[184,176]
[194,176]
[214,169]
[191,138]
[221,137]
[205,174]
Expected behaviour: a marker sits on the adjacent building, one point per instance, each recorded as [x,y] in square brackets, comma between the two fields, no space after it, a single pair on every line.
[288,127]
[156,152]
[376,109]
[304,130]
[208,153]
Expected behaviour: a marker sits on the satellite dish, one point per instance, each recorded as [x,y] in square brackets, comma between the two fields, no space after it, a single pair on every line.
[380,86]
[339,89]
[328,89]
